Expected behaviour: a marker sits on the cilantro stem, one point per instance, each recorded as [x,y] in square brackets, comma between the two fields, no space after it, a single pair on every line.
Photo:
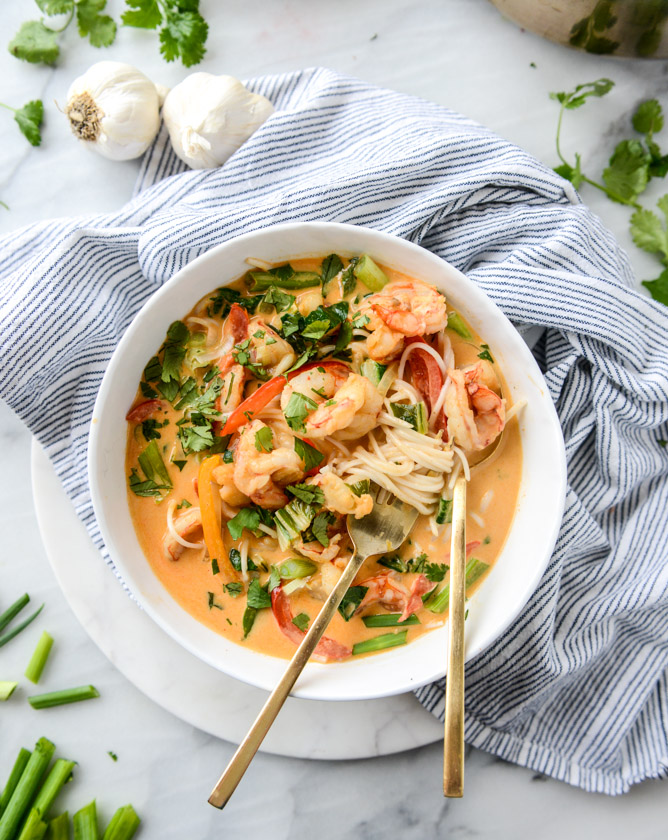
[561,157]
[8,107]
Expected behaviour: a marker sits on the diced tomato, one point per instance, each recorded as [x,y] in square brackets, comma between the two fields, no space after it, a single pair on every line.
[144,410]
[326,648]
[266,393]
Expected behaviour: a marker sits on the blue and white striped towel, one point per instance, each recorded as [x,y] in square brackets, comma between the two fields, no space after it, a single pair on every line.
[578,687]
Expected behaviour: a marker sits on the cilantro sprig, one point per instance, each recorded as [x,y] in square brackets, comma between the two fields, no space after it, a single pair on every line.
[183,30]
[37,43]
[29,119]
[634,162]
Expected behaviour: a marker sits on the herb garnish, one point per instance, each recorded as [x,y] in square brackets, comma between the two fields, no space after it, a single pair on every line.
[301,621]
[435,572]
[311,456]
[485,354]
[29,119]
[297,410]
[212,601]
[183,30]
[264,439]
[308,493]
[351,601]
[234,589]
[149,428]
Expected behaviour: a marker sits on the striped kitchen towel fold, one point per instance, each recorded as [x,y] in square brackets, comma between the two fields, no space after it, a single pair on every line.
[577,688]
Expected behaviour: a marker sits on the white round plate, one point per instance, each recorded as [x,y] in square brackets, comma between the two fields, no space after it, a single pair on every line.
[187,687]
[523,558]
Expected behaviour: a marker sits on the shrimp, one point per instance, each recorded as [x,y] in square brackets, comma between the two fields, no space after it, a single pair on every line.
[340,498]
[224,475]
[476,414]
[261,475]
[268,349]
[351,413]
[324,581]
[326,648]
[385,589]
[232,391]
[404,308]
[317,552]
[316,384]
[186,525]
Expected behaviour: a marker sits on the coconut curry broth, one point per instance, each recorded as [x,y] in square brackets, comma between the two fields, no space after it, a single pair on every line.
[190,580]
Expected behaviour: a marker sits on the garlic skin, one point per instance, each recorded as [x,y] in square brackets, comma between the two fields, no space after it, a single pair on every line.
[209,117]
[114,109]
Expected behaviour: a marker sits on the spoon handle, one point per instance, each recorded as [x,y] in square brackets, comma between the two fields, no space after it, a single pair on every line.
[453,745]
[241,759]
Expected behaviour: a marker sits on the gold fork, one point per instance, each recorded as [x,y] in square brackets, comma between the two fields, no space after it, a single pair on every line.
[384,529]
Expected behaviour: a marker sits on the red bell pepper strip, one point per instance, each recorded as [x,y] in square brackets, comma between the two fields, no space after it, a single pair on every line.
[326,648]
[266,393]
[144,410]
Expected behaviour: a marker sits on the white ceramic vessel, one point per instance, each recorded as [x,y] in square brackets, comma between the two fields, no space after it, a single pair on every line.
[523,559]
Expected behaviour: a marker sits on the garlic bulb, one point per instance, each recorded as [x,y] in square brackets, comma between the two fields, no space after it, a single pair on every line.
[209,117]
[115,109]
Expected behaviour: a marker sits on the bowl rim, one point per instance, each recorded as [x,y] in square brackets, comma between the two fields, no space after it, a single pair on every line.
[312,684]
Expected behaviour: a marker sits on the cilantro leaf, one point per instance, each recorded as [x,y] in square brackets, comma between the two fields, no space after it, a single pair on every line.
[351,601]
[316,329]
[296,411]
[196,438]
[485,354]
[578,96]
[278,299]
[212,601]
[658,288]
[628,173]
[330,267]
[264,439]
[149,428]
[258,597]
[311,456]
[234,589]
[144,14]
[302,621]
[319,528]
[648,118]
[344,337]
[571,173]
[183,35]
[35,43]
[100,29]
[308,493]
[248,518]
[29,119]
[648,232]
[55,7]
[146,487]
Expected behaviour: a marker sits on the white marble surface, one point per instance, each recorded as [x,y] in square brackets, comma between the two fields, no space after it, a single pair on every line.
[459,53]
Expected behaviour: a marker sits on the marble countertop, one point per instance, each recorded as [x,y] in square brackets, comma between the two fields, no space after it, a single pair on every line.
[462,54]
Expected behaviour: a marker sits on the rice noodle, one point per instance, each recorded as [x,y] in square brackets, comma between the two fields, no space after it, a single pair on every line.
[243,551]
[514,409]
[438,405]
[171,507]
[477,519]
[486,501]
[267,529]
[465,464]
[263,265]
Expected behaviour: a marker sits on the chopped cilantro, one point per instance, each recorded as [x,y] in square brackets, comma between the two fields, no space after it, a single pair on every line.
[319,528]
[29,119]
[149,428]
[278,299]
[147,392]
[112,755]
[484,353]
[301,621]
[215,568]
[258,597]
[184,503]
[212,601]
[308,493]
[351,601]
[311,456]
[297,409]
[264,439]
[179,464]
[233,589]
[248,518]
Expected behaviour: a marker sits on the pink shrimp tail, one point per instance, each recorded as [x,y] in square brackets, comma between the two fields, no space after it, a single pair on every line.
[419,588]
[326,648]
[400,320]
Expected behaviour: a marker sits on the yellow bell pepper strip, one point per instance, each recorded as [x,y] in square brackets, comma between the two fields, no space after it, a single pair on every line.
[210,522]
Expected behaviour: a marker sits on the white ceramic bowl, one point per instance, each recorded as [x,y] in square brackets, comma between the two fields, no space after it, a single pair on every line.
[517,571]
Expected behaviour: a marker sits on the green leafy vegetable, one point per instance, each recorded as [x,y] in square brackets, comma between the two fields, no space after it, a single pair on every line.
[174,350]
[319,528]
[458,325]
[444,512]
[627,174]
[29,118]
[222,301]
[415,414]
[235,560]
[351,601]
[153,467]
[149,428]
[649,232]
[248,518]
[35,43]
[183,30]
[212,602]
[297,410]
[258,597]
[485,354]
[234,589]
[283,276]
[311,456]
[278,299]
[578,96]
[308,493]
[302,621]
[100,29]
[264,439]
[435,572]
[248,620]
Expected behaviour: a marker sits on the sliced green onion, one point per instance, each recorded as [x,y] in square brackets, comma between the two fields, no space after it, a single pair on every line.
[294,585]
[34,828]
[59,827]
[122,825]
[444,512]
[457,324]
[474,570]
[14,610]
[415,414]
[387,640]
[7,689]
[263,280]
[9,635]
[373,371]
[60,698]
[38,660]
[25,788]
[367,272]
[297,567]
[85,823]
[58,775]
[14,776]
[389,620]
